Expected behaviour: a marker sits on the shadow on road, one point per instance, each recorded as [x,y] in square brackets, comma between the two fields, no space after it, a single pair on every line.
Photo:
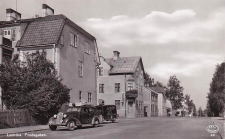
[83,127]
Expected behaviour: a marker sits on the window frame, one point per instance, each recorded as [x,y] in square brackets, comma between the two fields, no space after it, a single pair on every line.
[89,97]
[101,88]
[73,39]
[80,95]
[130,86]
[87,48]
[100,71]
[80,69]
[117,87]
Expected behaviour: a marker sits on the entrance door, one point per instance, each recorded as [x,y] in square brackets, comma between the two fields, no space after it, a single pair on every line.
[145,111]
[130,108]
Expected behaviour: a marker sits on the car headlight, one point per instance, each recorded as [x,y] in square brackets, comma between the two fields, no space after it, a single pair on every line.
[64,115]
[55,116]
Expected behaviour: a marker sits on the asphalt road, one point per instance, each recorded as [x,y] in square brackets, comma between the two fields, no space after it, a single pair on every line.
[139,128]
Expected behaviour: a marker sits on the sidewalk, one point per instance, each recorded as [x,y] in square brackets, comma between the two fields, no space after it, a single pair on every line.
[23,129]
[220,122]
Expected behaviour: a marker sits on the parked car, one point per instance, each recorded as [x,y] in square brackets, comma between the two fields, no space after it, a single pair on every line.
[75,116]
[108,112]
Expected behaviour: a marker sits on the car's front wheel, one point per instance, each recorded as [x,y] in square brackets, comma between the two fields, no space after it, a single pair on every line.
[52,127]
[71,125]
[96,123]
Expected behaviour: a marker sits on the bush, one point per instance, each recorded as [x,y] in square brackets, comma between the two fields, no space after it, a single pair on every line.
[32,84]
[4,125]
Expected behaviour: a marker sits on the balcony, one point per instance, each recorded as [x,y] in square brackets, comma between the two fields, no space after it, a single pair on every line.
[132,94]
[6,42]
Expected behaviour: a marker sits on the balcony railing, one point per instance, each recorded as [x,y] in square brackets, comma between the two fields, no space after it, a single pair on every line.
[7,42]
[132,94]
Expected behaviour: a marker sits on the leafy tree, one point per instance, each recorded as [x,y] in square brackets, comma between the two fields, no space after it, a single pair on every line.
[148,81]
[32,84]
[194,111]
[216,97]
[175,92]
[189,103]
[200,112]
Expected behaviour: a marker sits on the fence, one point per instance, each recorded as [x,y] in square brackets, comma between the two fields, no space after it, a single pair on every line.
[16,118]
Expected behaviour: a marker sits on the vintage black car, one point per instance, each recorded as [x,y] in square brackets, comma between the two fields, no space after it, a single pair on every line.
[108,112]
[75,116]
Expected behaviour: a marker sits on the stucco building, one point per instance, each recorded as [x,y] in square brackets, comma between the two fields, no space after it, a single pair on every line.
[162,110]
[73,50]
[116,76]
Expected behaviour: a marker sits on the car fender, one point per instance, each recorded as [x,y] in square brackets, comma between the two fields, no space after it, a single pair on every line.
[94,118]
[72,118]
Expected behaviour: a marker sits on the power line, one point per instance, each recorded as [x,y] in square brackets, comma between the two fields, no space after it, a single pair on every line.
[200,66]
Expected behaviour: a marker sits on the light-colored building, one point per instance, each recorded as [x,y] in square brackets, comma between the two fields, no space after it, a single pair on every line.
[162,111]
[168,107]
[147,96]
[73,50]
[116,76]
[183,111]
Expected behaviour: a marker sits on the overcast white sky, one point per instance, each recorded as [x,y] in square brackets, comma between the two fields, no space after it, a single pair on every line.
[171,36]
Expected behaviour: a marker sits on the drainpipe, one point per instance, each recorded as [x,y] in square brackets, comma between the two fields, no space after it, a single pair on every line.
[125,96]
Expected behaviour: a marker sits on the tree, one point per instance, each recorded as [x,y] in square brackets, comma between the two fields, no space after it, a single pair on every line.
[148,81]
[189,103]
[194,111]
[216,97]
[200,112]
[174,92]
[32,84]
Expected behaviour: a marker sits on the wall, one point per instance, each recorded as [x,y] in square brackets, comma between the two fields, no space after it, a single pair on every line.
[147,100]
[69,58]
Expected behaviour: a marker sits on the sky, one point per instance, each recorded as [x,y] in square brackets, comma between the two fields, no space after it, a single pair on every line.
[174,37]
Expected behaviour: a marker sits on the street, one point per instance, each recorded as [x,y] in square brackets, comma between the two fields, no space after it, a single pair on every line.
[139,128]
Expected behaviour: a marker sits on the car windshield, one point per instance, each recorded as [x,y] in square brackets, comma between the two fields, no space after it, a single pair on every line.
[77,109]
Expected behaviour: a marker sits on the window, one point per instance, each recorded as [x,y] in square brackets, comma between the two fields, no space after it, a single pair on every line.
[62,40]
[5,32]
[130,86]
[13,35]
[100,71]
[80,68]
[117,103]
[87,47]
[73,40]
[89,97]
[8,32]
[117,87]
[101,88]
[80,95]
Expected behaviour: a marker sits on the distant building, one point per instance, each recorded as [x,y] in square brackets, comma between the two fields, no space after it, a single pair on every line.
[162,111]
[183,111]
[150,105]
[73,50]
[116,76]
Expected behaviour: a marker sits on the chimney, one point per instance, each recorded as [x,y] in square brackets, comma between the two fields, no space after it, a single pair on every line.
[116,55]
[46,10]
[12,15]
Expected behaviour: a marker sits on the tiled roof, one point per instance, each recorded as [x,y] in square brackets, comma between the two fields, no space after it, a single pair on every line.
[123,64]
[44,30]
[158,89]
